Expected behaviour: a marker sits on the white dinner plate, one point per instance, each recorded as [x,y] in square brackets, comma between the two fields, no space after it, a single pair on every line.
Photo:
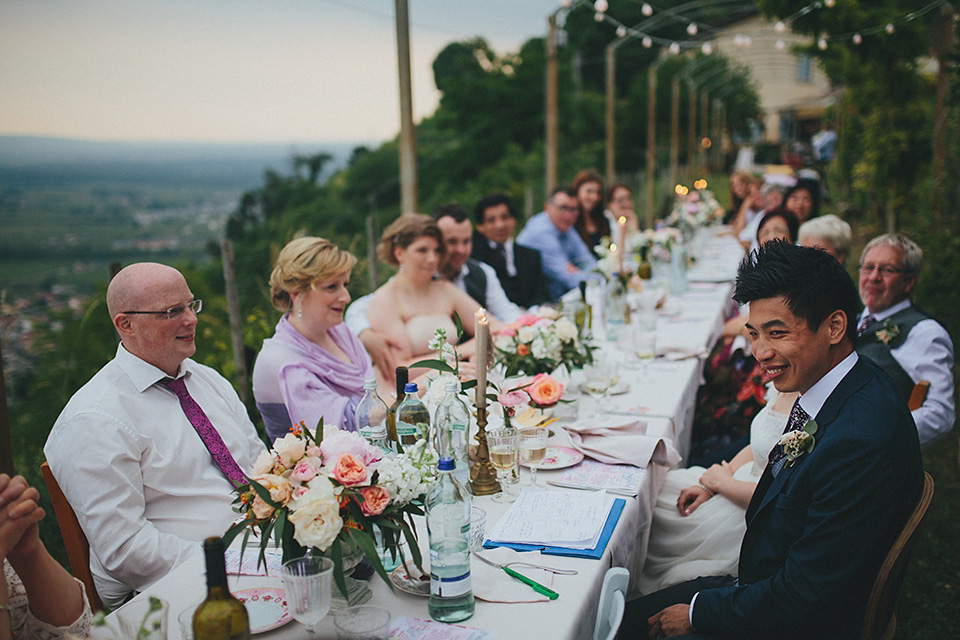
[266,606]
[618,389]
[558,458]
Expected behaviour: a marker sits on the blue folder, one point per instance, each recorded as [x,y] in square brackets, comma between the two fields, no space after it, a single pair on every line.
[612,518]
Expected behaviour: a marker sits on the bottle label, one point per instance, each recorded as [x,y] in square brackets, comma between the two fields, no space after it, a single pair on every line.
[450,587]
[458,426]
[407,429]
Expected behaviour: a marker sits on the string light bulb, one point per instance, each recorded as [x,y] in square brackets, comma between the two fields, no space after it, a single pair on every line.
[692,29]
[822,44]
[857,38]
[598,16]
[647,42]
[780,26]
[601,5]
[646,10]
[889,28]
[780,44]
[830,3]
[707,48]
[621,31]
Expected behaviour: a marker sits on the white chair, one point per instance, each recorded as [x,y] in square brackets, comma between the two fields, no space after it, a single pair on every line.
[613,597]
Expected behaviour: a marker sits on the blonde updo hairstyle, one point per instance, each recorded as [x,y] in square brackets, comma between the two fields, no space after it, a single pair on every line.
[406,230]
[301,263]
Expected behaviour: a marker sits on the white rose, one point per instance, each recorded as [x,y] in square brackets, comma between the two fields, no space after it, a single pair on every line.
[526,334]
[565,330]
[290,449]
[264,463]
[317,522]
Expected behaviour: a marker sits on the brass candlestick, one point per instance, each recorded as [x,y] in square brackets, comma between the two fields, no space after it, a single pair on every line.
[483,478]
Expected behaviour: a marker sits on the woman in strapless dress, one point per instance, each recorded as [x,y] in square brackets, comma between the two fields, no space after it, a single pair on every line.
[412,305]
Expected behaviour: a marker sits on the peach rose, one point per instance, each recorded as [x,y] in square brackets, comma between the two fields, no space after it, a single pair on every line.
[545,390]
[349,470]
[375,500]
[261,509]
[523,350]
[304,471]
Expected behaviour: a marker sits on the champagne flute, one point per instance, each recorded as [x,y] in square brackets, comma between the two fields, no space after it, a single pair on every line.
[504,449]
[597,379]
[533,449]
[308,583]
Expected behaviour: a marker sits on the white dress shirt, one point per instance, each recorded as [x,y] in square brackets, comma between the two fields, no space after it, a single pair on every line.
[926,354]
[507,254]
[143,485]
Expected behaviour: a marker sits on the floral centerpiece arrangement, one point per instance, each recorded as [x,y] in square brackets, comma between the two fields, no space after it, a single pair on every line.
[329,491]
[540,392]
[539,343]
[694,208]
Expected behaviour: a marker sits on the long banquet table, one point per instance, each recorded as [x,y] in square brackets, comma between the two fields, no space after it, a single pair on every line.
[664,400]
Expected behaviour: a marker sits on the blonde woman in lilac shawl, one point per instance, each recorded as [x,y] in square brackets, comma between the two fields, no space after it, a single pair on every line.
[313,366]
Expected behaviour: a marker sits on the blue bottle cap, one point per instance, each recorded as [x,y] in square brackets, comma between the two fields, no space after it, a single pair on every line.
[446,464]
[410,388]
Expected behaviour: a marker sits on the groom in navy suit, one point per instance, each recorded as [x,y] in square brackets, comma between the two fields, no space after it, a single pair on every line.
[829,505]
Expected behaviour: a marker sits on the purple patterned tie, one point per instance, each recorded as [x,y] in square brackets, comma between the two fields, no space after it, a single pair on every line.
[865,322]
[207,432]
[798,420]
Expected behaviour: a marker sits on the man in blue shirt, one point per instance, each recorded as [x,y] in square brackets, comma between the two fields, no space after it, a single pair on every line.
[566,259]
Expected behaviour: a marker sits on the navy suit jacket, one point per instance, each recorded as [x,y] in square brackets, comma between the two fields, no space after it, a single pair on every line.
[818,532]
[529,286]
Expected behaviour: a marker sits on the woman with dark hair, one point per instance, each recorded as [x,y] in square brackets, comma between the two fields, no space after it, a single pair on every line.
[620,204]
[803,199]
[777,224]
[592,224]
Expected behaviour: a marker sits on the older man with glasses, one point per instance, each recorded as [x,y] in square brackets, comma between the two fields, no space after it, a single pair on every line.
[149,450]
[908,344]
[566,259]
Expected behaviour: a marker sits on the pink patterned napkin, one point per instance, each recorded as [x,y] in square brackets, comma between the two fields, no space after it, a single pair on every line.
[616,440]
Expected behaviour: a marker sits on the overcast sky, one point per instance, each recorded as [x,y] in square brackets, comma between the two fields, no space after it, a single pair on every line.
[231,70]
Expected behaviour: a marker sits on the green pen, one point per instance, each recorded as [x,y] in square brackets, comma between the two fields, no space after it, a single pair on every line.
[539,588]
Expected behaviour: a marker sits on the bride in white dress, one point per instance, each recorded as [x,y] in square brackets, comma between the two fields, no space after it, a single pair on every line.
[694,533]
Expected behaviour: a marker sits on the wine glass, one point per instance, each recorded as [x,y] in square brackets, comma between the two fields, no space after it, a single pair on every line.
[533,449]
[308,583]
[645,348]
[504,448]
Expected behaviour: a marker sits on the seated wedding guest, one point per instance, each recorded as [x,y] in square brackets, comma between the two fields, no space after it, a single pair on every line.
[566,259]
[772,195]
[803,199]
[908,344]
[778,224]
[698,520]
[411,305]
[829,233]
[312,367]
[620,204]
[746,221]
[478,279]
[149,450]
[824,513]
[39,600]
[739,188]
[517,267]
[592,224]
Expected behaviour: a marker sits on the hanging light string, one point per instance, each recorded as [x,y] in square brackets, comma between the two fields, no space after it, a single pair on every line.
[699,31]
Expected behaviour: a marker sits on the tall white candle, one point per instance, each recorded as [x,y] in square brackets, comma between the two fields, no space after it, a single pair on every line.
[482,335]
[622,221]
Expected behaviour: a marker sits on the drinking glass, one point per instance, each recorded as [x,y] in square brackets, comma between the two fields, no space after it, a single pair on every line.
[645,348]
[308,583]
[364,622]
[597,377]
[504,448]
[533,449]
[144,618]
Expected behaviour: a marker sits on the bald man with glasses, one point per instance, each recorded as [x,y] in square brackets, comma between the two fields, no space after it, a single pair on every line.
[149,450]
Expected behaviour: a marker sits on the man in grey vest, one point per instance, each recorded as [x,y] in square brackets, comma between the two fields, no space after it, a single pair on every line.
[908,344]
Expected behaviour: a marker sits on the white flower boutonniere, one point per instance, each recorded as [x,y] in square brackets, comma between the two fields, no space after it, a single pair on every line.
[888,332]
[798,443]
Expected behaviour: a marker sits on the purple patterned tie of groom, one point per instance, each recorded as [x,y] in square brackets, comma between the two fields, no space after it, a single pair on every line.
[207,432]
[798,420]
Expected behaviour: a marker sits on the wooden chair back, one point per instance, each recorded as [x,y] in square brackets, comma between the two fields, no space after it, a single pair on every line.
[879,620]
[918,395]
[78,549]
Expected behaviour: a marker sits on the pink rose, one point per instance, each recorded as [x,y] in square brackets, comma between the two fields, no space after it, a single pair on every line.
[349,470]
[375,500]
[342,442]
[304,471]
[528,320]
[313,451]
[513,398]
[261,509]
[545,390]
[508,330]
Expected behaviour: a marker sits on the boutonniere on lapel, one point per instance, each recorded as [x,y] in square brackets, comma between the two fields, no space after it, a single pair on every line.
[888,332]
[799,442]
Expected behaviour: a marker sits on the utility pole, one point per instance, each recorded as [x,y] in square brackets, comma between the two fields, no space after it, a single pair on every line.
[651,138]
[944,46]
[692,132]
[704,129]
[550,150]
[674,130]
[611,108]
[408,135]
[236,320]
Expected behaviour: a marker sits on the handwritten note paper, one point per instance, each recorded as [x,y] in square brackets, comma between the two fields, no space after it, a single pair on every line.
[251,557]
[591,473]
[406,628]
[535,518]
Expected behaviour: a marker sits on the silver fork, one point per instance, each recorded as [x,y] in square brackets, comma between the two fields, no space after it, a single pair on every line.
[561,572]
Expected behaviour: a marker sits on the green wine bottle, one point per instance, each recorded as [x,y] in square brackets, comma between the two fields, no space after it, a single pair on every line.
[402,377]
[220,616]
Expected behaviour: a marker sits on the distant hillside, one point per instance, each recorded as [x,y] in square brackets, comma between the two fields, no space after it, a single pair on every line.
[26,161]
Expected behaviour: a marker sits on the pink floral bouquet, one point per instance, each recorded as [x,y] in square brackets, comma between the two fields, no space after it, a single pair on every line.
[328,491]
[541,392]
[534,344]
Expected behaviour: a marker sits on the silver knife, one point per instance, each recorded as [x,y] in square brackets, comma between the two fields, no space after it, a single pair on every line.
[616,491]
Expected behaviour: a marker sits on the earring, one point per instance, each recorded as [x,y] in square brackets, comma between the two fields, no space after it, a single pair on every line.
[300,311]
